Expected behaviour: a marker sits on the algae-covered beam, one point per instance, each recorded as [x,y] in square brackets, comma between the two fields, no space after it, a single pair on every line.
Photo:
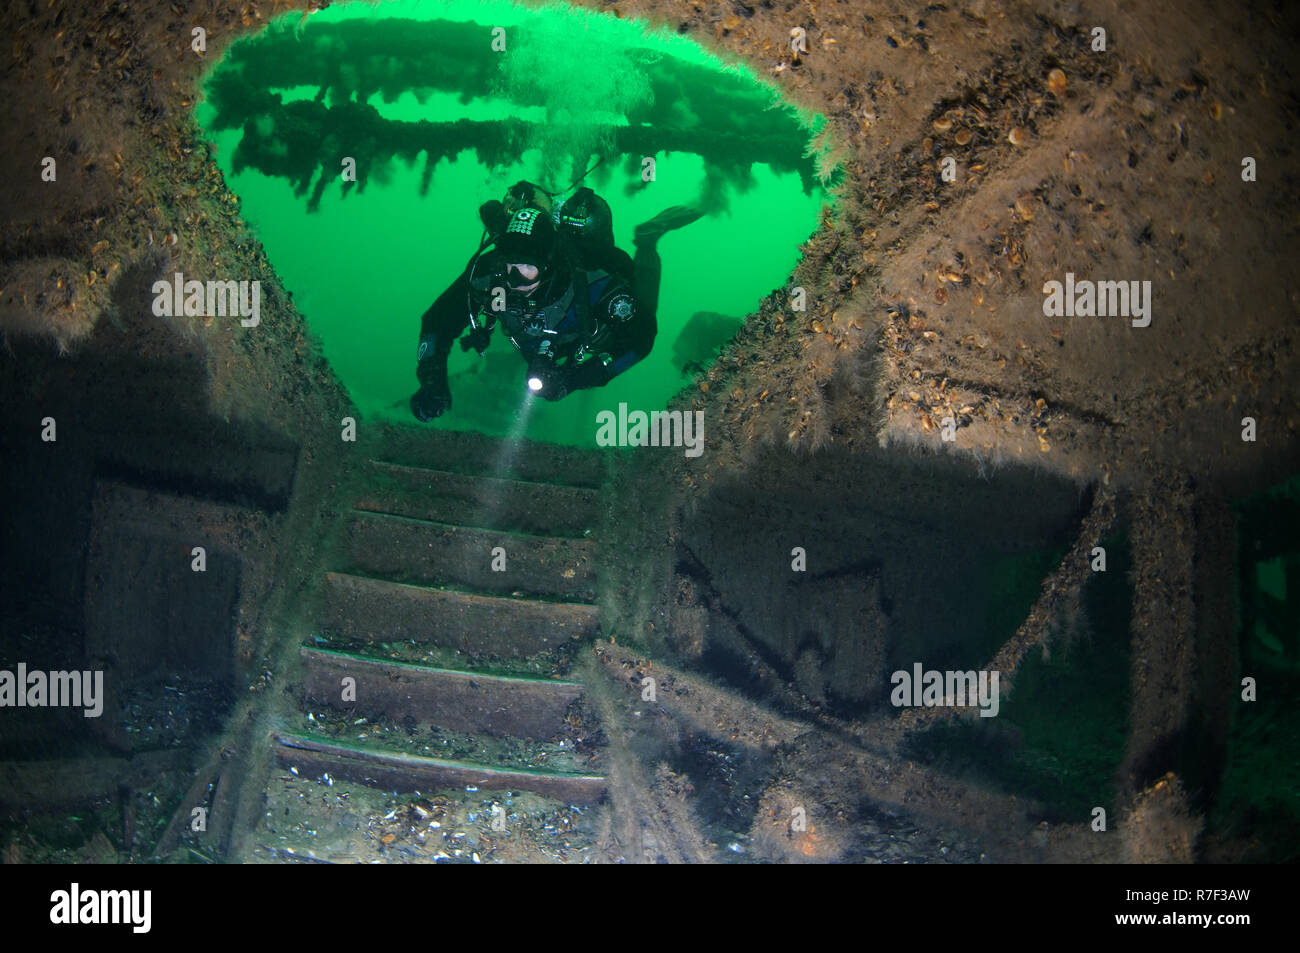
[1163,628]
[660,105]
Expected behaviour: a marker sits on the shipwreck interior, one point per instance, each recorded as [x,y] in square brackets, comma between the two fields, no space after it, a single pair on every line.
[331,633]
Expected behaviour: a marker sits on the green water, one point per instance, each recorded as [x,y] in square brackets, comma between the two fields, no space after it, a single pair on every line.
[440,122]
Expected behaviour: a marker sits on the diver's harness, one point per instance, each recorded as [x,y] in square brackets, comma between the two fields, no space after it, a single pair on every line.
[530,321]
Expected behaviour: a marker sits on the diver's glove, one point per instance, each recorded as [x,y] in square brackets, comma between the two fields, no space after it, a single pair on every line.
[594,372]
[433,399]
[430,402]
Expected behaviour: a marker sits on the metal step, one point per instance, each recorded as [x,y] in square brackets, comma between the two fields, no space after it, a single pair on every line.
[376,610]
[423,551]
[491,704]
[487,502]
[464,451]
[403,772]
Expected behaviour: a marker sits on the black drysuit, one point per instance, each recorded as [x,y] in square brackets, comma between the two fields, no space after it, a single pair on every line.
[597,304]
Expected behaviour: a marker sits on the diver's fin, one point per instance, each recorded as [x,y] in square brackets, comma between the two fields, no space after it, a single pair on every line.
[677,216]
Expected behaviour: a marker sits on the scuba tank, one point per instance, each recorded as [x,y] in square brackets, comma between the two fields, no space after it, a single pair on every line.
[586,218]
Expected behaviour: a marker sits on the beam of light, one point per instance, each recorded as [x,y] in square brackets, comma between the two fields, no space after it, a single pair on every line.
[510,447]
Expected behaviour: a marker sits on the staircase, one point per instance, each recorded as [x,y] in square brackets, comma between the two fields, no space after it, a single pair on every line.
[435,719]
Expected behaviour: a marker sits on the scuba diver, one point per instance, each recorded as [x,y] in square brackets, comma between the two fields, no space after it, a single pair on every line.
[578,309]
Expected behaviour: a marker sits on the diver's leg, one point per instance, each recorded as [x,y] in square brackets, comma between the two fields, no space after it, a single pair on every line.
[648,266]
[647,269]
[439,326]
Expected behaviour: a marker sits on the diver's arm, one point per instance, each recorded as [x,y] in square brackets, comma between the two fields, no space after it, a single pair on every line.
[439,326]
[448,316]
